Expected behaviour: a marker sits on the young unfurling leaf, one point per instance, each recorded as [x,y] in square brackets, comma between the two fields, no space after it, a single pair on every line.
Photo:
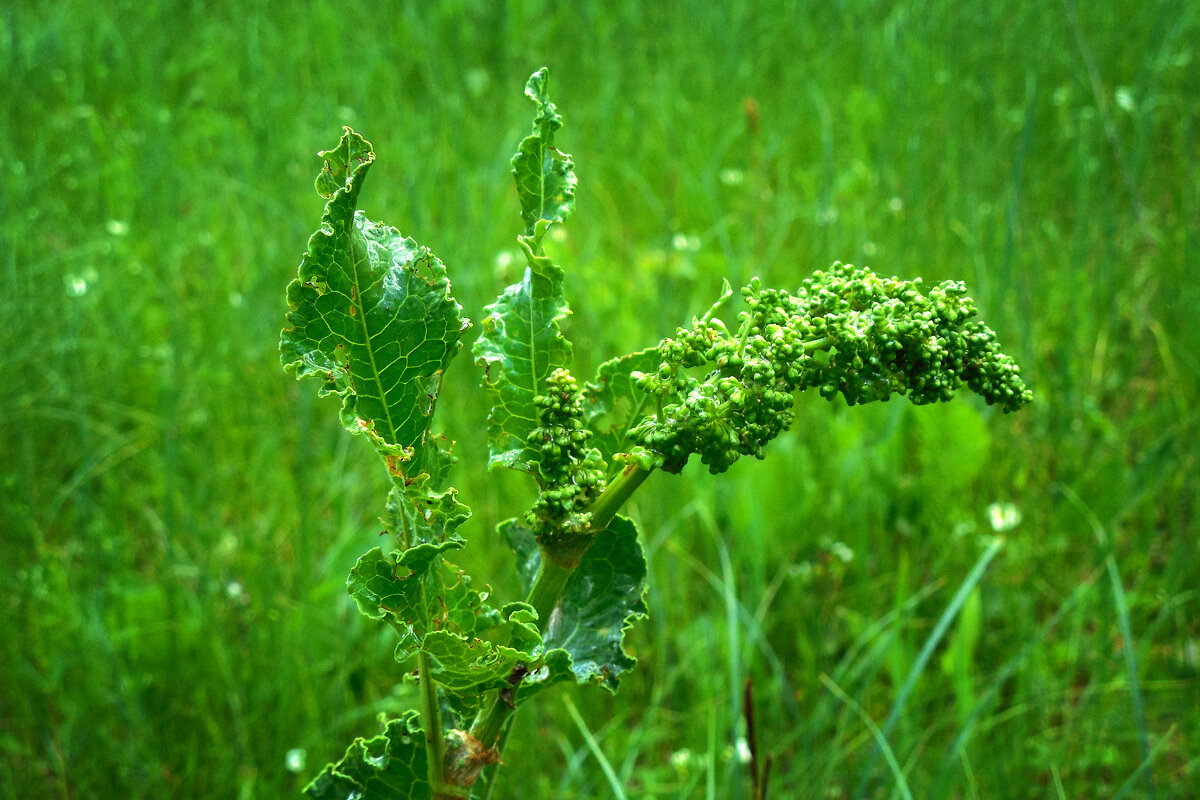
[613,404]
[545,175]
[522,343]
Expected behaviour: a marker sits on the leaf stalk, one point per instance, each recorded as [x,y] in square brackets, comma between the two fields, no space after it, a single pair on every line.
[431,724]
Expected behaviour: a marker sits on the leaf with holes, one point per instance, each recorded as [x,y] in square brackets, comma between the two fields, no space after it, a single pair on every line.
[436,611]
[371,316]
[585,636]
[391,766]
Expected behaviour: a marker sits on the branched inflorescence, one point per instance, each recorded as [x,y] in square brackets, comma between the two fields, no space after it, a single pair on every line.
[846,331]
[572,476]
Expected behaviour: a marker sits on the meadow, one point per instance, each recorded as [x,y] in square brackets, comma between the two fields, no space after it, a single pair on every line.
[1008,603]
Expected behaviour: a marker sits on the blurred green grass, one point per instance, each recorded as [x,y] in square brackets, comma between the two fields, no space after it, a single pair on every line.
[177,517]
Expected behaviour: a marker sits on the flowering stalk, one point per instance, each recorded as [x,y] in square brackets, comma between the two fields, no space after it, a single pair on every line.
[373,319]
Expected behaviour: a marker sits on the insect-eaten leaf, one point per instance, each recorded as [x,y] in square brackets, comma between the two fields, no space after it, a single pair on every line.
[372,316]
[391,766]
[436,611]
[601,601]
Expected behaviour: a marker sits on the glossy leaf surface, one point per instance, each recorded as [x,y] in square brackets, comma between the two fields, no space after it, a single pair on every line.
[371,315]
[613,404]
[601,601]
[390,766]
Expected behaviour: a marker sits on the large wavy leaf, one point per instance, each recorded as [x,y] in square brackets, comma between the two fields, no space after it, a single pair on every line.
[601,601]
[371,316]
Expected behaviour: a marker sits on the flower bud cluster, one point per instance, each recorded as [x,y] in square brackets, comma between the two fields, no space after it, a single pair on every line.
[571,475]
[885,336]
[745,399]
[846,331]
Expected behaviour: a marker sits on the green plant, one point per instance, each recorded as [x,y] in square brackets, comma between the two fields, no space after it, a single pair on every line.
[373,318]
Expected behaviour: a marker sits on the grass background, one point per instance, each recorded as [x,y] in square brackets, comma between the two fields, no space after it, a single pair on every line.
[177,516]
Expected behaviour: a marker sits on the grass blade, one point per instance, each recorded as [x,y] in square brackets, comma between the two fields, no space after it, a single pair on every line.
[1144,767]
[593,746]
[1002,676]
[876,734]
[939,630]
[1130,648]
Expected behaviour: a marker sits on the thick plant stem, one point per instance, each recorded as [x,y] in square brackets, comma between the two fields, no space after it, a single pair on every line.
[435,742]
[547,588]
[431,723]
[557,568]
[622,486]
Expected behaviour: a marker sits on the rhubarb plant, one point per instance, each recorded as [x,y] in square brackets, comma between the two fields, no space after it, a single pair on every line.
[373,319]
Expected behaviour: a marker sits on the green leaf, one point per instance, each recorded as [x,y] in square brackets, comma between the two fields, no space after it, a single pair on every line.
[601,601]
[545,175]
[435,609]
[420,515]
[520,346]
[522,342]
[468,665]
[391,766]
[398,584]
[371,316]
[613,404]
[520,539]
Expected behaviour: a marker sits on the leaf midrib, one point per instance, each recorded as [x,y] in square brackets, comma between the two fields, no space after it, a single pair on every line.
[354,263]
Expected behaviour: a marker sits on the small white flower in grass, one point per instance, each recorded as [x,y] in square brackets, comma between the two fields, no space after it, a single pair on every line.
[731,176]
[78,284]
[684,243]
[503,266]
[1190,653]
[235,591]
[827,215]
[1003,516]
[1124,99]
[116,227]
[295,759]
[682,758]
[803,570]
[477,81]
[739,750]
[842,552]
[895,205]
